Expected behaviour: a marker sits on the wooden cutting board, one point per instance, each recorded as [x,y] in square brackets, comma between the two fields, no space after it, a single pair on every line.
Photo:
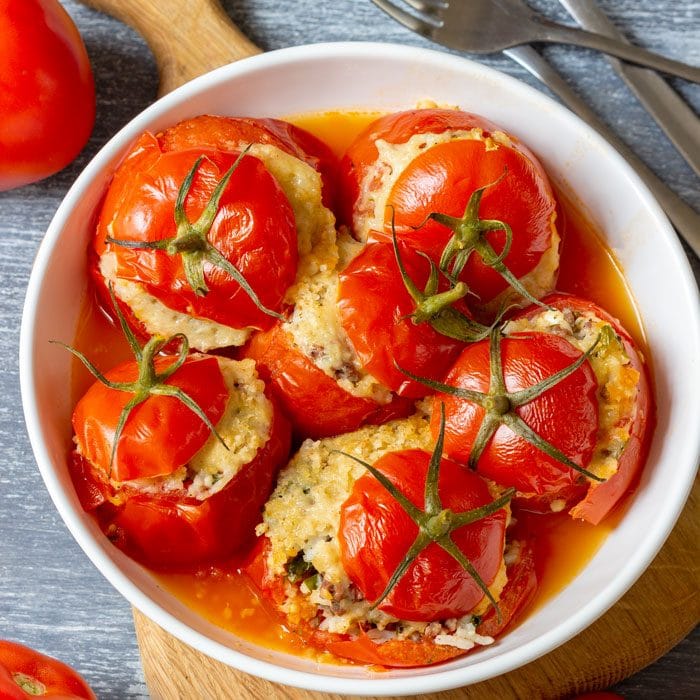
[188,38]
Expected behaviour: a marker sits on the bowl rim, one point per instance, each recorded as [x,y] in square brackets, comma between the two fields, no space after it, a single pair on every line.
[442,678]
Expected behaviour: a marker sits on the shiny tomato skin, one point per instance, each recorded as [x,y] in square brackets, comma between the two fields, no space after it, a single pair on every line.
[375,533]
[254,229]
[601,498]
[443,177]
[47,91]
[374,309]
[438,181]
[394,128]
[58,680]
[234,133]
[174,531]
[317,406]
[566,415]
[161,434]
[405,653]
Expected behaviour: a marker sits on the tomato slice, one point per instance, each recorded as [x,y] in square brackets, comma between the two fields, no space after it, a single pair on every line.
[566,416]
[160,434]
[254,229]
[26,673]
[601,498]
[376,533]
[375,310]
[317,406]
[173,531]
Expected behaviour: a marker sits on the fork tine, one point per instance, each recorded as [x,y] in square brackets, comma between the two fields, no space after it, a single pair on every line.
[420,26]
[429,7]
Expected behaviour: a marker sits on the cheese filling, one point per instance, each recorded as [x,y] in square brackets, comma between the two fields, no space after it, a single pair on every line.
[317,332]
[393,159]
[617,379]
[302,520]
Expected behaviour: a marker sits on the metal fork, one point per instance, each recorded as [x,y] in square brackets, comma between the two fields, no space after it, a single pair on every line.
[683,217]
[487,26]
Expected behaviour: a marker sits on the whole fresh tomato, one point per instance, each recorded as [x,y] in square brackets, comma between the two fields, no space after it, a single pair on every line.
[26,673]
[379,316]
[47,93]
[442,179]
[376,533]
[316,404]
[253,230]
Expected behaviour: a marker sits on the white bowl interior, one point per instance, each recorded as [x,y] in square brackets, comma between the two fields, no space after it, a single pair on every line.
[375,76]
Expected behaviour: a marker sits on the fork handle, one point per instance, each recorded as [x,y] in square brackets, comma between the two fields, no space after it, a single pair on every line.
[685,220]
[552,32]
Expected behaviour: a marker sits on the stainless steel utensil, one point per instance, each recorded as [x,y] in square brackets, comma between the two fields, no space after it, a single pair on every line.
[666,106]
[683,217]
[487,26]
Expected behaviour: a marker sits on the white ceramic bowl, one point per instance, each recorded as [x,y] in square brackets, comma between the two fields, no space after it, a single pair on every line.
[387,77]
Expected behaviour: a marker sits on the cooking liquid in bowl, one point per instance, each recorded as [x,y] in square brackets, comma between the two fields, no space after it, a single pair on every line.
[562,545]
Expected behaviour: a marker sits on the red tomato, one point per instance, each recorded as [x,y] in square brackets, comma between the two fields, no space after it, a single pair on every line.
[601,498]
[375,308]
[254,229]
[566,415]
[317,406]
[161,434]
[173,531]
[25,673]
[517,593]
[441,179]
[376,533]
[47,93]
[234,133]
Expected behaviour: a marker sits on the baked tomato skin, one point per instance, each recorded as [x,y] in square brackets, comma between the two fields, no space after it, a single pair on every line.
[173,531]
[317,406]
[404,653]
[376,533]
[161,434]
[566,416]
[374,309]
[47,91]
[26,673]
[254,229]
[601,498]
[441,179]
[234,133]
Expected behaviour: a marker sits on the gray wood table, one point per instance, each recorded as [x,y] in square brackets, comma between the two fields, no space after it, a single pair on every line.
[51,596]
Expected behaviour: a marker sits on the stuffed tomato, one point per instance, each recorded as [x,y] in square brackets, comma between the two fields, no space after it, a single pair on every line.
[340,558]
[559,408]
[197,216]
[175,455]
[461,189]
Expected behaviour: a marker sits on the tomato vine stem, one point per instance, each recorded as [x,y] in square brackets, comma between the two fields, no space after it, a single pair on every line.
[435,523]
[150,382]
[190,241]
[500,406]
